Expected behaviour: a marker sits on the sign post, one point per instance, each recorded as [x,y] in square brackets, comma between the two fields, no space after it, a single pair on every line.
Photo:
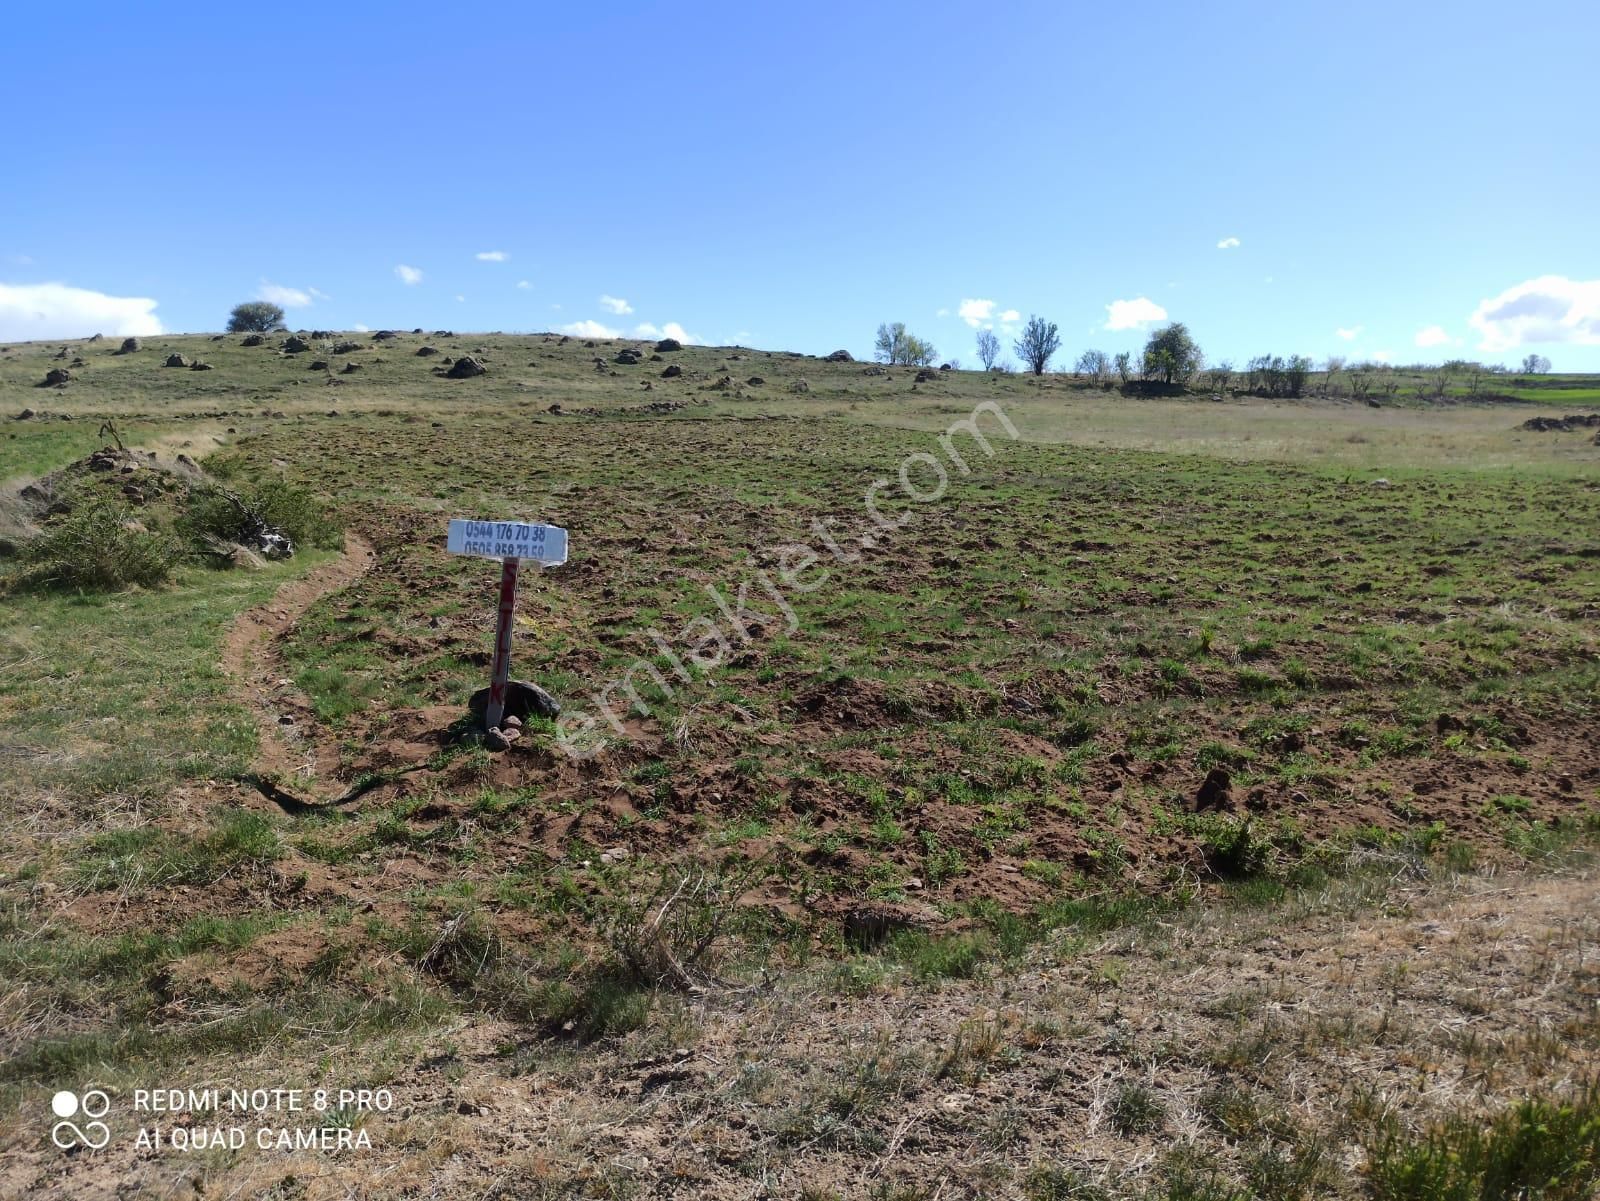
[510,542]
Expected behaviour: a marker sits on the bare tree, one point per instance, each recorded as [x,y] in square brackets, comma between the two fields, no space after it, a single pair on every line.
[1096,365]
[988,348]
[1219,374]
[1039,341]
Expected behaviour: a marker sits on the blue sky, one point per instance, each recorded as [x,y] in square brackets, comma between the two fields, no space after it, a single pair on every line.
[1420,176]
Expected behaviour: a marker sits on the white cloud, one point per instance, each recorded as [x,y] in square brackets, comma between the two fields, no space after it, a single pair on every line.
[491,256]
[1134,314]
[1433,335]
[670,330]
[942,313]
[289,298]
[1228,244]
[1382,356]
[590,329]
[975,312]
[359,328]
[29,312]
[614,304]
[524,284]
[1010,317]
[318,294]
[408,275]
[1551,308]
[1351,334]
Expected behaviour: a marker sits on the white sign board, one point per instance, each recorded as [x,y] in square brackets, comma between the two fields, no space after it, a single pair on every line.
[546,544]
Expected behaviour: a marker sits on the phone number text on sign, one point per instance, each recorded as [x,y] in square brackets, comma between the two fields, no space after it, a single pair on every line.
[546,544]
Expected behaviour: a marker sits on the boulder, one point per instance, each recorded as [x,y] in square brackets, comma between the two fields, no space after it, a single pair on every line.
[197,365]
[319,365]
[346,347]
[54,378]
[466,367]
[252,340]
[384,335]
[755,381]
[667,344]
[295,344]
[523,700]
[839,356]
[350,368]
[628,358]
[925,375]
[129,346]
[672,372]
[175,360]
[424,352]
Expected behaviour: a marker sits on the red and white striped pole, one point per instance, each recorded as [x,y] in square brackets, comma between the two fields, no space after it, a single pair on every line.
[501,672]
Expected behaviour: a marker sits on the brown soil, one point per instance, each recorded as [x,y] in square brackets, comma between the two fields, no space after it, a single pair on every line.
[249,656]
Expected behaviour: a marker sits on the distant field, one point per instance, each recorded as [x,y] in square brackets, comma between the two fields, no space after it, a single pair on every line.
[1024,840]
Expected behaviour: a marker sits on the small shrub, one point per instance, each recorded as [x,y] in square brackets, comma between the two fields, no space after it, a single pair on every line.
[215,514]
[1538,1148]
[100,548]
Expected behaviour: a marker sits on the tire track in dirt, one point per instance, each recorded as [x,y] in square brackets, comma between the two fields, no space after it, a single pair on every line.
[250,658]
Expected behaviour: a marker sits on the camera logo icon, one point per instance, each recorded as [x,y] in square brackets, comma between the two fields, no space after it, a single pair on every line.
[93,1105]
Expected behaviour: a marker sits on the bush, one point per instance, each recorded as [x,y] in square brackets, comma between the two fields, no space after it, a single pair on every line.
[101,548]
[219,515]
[1537,1148]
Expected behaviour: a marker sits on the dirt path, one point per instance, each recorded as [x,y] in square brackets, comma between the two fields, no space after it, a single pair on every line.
[289,756]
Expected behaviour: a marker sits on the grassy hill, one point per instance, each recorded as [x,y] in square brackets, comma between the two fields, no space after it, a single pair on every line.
[1013,830]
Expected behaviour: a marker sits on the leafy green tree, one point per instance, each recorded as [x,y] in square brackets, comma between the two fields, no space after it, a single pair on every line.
[255,317]
[1535,364]
[1124,365]
[1038,342]
[1171,356]
[895,346]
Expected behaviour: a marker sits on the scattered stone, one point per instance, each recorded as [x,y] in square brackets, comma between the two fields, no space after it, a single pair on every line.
[450,333]
[1215,791]
[197,365]
[384,335]
[1561,425]
[555,409]
[800,385]
[839,356]
[97,338]
[510,733]
[874,371]
[346,347]
[925,375]
[1380,482]
[466,367]
[495,740]
[60,354]
[614,855]
[755,381]
[511,722]
[628,358]
[952,367]
[319,364]
[26,414]
[424,352]
[351,368]
[668,344]
[522,700]
[295,344]
[175,360]
[252,340]
[672,372]
[56,377]
[129,346]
